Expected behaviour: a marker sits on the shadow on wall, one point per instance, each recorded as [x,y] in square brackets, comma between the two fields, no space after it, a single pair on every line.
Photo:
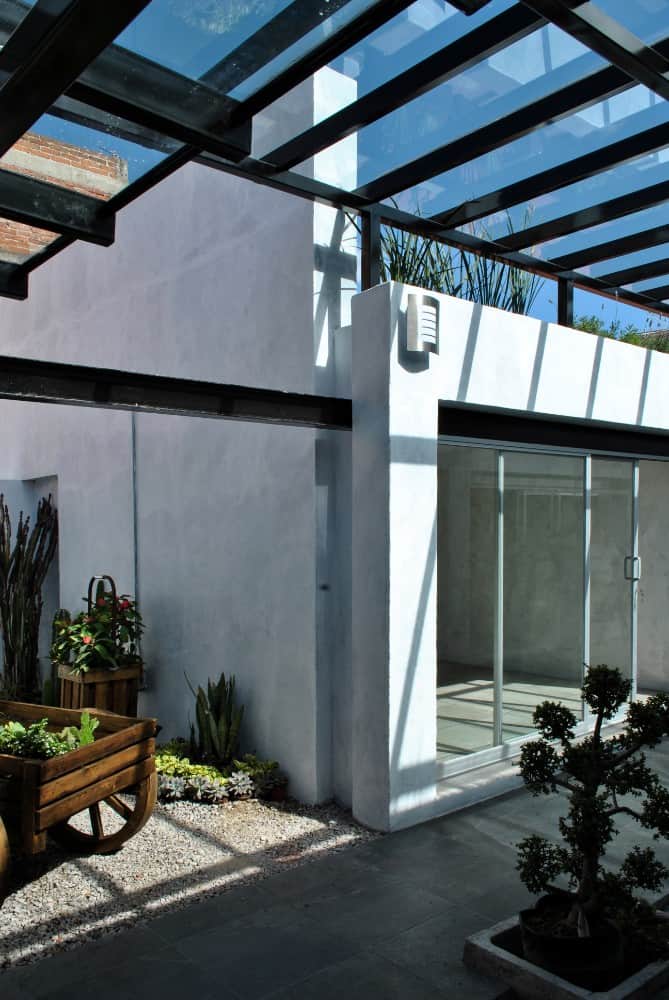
[464,385]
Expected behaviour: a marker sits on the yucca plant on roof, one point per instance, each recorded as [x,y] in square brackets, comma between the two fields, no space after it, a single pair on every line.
[218,720]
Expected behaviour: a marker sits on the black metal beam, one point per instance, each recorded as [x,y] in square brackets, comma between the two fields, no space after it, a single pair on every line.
[639,272]
[327,194]
[565,303]
[269,41]
[610,39]
[46,382]
[154,98]
[574,222]
[38,203]
[508,27]
[330,48]
[613,248]
[498,132]
[544,429]
[660,293]
[571,172]
[115,204]
[52,45]
[371,250]
[13,281]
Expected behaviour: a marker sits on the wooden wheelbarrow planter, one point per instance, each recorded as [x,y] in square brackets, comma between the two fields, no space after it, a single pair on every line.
[42,796]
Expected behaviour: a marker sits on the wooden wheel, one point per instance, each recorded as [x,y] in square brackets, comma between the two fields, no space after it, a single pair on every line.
[90,838]
[4,861]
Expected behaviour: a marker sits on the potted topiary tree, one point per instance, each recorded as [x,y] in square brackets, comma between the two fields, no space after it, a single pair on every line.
[583,931]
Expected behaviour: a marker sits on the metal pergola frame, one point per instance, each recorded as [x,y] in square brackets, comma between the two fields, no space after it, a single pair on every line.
[60,56]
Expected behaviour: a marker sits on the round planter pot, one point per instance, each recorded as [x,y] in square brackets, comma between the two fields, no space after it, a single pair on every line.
[594,962]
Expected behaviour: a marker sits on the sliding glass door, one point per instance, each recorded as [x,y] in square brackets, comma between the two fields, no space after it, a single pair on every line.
[537,570]
[543,586]
[614,564]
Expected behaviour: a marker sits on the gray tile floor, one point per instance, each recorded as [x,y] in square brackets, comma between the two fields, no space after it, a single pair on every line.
[383,921]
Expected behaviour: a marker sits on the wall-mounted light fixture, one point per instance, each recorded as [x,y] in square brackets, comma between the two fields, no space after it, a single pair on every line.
[423,323]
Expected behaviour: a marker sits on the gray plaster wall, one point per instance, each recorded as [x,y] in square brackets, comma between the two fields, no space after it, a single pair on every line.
[210,278]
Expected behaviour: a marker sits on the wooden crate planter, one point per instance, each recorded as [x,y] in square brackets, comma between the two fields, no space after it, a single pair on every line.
[42,796]
[108,690]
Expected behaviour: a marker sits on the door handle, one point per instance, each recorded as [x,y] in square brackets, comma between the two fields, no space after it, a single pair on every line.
[632,567]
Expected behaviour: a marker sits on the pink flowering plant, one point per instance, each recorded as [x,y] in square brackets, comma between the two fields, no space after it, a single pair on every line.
[105,636]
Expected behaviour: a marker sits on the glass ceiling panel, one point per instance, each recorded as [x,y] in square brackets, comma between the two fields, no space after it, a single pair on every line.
[19,242]
[82,159]
[636,259]
[192,36]
[626,179]
[590,129]
[524,72]
[616,229]
[196,37]
[408,38]
[642,286]
[644,18]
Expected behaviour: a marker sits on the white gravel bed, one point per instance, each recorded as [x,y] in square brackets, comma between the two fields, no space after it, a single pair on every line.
[186,849]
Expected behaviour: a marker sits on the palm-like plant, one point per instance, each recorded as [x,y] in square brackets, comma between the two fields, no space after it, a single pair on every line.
[437,267]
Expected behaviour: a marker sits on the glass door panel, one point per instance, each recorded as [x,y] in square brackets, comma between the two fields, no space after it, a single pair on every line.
[613,565]
[543,615]
[466,593]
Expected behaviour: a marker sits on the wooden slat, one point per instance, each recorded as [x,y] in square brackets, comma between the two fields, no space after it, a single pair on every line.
[21,711]
[70,805]
[102,693]
[119,691]
[11,765]
[9,790]
[97,676]
[129,734]
[84,776]
[32,840]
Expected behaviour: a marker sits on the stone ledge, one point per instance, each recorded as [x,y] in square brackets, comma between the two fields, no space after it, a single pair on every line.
[532,983]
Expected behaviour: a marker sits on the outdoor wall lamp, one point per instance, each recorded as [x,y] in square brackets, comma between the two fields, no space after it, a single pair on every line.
[423,323]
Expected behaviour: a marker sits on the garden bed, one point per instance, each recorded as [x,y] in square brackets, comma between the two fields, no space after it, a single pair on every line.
[186,850]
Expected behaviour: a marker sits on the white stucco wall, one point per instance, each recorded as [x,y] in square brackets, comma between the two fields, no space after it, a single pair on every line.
[486,358]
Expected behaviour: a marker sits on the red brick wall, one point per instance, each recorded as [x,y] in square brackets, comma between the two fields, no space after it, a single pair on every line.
[95,174]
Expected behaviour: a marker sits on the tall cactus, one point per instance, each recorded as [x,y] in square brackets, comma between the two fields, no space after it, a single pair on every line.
[23,567]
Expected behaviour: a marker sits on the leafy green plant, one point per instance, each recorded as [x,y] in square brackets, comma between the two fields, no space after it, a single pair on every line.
[653,339]
[427,263]
[218,721]
[33,741]
[603,778]
[105,636]
[181,767]
[83,735]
